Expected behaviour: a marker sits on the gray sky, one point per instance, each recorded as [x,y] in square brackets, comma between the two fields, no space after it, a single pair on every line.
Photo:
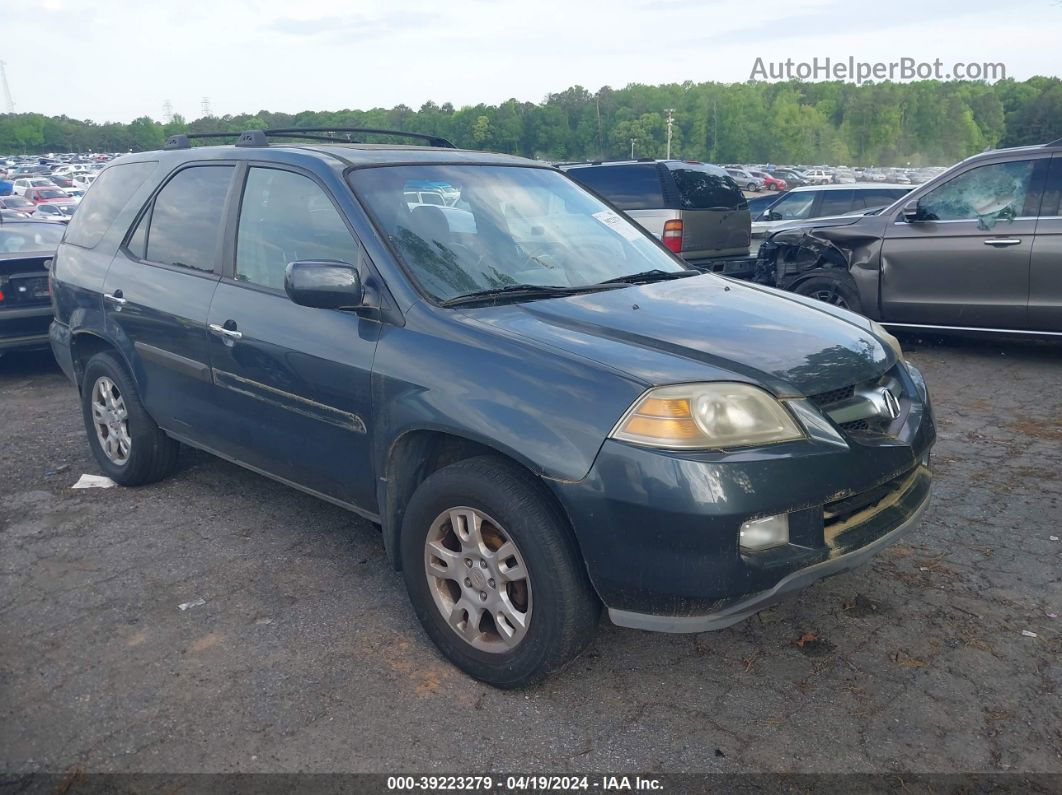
[113,60]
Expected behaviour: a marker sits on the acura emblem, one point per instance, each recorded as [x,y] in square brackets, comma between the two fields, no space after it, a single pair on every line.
[890,407]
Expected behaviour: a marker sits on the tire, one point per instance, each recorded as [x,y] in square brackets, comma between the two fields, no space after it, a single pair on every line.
[751,188]
[838,290]
[140,452]
[559,607]
[772,187]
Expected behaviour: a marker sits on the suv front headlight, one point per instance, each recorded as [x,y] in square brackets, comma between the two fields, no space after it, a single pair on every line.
[707,416]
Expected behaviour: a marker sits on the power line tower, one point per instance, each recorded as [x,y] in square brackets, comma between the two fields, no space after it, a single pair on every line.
[670,121]
[167,111]
[204,106]
[9,103]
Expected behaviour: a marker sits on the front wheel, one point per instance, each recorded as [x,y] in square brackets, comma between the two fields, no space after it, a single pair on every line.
[494,574]
[832,289]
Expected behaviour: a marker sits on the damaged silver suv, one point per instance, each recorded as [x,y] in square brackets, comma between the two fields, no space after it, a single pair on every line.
[977,248]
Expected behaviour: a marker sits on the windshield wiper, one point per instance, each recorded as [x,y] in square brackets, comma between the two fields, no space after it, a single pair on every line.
[655,275]
[524,291]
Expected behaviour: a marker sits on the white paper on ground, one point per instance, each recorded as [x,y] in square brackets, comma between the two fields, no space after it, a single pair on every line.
[93,482]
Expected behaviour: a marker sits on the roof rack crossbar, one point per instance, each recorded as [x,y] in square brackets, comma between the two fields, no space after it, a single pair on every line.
[253,138]
[432,140]
[181,140]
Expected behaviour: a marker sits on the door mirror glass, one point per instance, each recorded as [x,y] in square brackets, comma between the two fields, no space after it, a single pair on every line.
[910,211]
[324,284]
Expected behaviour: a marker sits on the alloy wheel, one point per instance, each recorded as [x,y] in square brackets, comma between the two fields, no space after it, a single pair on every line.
[478,580]
[830,296]
[110,418]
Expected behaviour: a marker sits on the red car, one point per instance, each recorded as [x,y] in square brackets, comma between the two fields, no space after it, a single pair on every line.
[773,183]
[54,195]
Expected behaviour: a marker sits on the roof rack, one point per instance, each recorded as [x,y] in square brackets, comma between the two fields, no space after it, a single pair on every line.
[255,138]
[1055,143]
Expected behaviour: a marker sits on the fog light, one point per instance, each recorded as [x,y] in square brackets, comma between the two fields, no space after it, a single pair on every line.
[771,531]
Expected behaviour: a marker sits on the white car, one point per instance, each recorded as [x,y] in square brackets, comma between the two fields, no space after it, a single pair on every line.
[817,176]
[22,183]
[821,201]
[84,180]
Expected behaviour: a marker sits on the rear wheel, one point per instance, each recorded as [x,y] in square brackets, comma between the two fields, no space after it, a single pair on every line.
[494,574]
[838,290]
[129,447]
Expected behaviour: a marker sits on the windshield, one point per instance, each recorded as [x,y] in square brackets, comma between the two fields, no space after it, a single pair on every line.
[502,226]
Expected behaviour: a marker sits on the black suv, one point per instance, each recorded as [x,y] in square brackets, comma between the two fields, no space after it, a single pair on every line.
[539,404]
[977,248]
[696,209]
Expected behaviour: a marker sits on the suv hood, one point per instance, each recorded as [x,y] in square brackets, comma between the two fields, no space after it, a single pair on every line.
[704,328]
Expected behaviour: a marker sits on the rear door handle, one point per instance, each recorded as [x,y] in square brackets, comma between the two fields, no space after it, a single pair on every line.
[1003,241]
[221,331]
[115,298]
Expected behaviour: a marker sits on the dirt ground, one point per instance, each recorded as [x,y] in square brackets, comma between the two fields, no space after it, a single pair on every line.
[305,655]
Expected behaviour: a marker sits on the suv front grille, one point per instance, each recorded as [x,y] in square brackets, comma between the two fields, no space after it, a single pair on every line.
[826,399]
[859,408]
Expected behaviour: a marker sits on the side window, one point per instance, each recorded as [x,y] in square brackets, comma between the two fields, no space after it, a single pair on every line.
[835,202]
[997,191]
[634,187]
[138,242]
[1052,204]
[186,219]
[287,217]
[101,205]
[792,206]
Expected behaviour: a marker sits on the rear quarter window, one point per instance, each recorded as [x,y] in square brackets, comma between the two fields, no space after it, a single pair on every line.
[103,201]
[631,187]
[703,188]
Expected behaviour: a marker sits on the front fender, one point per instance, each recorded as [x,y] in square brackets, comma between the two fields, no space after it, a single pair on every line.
[547,409]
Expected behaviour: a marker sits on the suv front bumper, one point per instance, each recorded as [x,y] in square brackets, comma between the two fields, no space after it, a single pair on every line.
[660,531]
[742,608]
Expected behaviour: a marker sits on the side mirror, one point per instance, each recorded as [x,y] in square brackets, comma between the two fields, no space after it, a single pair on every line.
[324,284]
[910,212]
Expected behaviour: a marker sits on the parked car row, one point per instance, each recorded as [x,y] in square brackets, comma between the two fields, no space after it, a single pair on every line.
[51,187]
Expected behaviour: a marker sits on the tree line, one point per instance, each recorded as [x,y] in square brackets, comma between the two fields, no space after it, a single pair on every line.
[885,124]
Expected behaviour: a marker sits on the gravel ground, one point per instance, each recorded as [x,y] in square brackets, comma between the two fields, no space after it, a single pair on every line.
[306,656]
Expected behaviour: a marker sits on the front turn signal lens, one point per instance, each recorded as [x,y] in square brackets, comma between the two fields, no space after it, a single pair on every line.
[707,416]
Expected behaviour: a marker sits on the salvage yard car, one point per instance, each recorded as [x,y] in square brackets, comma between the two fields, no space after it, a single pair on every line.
[544,412]
[977,248]
[25,303]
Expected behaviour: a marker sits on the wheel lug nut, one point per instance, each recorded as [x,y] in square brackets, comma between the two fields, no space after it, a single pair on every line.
[483,595]
[468,582]
[490,583]
[468,562]
[483,564]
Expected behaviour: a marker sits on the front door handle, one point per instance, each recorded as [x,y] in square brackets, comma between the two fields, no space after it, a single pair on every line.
[1000,242]
[115,298]
[221,331]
